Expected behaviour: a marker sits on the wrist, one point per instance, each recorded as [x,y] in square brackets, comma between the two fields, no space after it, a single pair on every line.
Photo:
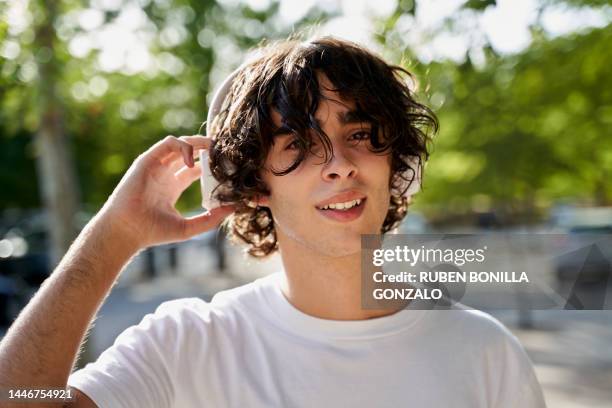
[107,240]
[116,231]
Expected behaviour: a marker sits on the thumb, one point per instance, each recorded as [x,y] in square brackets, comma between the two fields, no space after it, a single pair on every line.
[206,221]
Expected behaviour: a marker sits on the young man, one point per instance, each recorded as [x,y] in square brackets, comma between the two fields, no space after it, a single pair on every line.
[310,148]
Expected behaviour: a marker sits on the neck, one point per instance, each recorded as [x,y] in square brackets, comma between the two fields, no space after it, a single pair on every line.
[324,286]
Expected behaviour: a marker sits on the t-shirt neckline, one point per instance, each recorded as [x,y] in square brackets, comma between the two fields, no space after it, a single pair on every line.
[288,317]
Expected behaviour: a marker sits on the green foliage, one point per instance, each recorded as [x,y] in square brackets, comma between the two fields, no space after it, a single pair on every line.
[526,130]
[479,5]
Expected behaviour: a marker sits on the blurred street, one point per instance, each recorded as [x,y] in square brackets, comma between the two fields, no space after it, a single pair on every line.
[572,354]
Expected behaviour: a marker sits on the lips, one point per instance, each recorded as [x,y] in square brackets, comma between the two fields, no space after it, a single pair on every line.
[344,215]
[341,198]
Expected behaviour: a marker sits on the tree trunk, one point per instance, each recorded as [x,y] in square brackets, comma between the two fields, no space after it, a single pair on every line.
[56,175]
[57,182]
[602,198]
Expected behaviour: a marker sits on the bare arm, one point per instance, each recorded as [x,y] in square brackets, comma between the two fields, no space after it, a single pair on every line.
[41,347]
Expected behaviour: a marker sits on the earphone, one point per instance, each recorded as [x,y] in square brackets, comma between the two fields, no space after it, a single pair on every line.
[208,183]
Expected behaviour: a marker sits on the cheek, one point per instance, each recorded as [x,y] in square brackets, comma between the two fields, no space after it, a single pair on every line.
[377,174]
[377,169]
[287,192]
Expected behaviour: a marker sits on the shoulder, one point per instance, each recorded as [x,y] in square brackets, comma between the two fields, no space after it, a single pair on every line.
[179,312]
[477,333]
[225,305]
[470,323]
[508,371]
[249,297]
[480,337]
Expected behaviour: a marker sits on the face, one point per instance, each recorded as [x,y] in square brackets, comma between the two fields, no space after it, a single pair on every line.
[300,201]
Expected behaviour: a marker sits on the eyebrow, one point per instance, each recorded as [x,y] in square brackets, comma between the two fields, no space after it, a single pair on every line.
[345,118]
[281,131]
[352,116]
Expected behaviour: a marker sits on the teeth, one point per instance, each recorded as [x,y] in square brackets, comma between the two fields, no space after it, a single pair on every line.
[342,206]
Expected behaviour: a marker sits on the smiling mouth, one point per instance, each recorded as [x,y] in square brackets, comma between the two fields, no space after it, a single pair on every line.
[346,206]
[352,212]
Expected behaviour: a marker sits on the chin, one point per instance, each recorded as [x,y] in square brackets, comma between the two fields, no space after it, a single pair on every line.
[342,247]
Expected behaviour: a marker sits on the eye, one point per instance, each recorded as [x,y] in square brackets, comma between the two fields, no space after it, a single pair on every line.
[360,136]
[294,145]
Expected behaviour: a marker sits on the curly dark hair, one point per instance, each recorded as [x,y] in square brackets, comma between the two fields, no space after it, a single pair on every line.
[283,77]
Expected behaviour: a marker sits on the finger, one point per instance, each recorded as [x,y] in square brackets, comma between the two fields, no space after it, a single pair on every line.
[198,142]
[169,149]
[177,162]
[206,221]
[185,153]
[187,175]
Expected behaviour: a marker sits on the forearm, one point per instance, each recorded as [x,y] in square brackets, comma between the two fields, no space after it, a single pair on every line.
[41,346]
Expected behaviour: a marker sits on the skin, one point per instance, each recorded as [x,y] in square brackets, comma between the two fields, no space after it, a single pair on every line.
[322,257]
[41,346]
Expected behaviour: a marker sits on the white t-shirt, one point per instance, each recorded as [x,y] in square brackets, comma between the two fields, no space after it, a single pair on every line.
[249,347]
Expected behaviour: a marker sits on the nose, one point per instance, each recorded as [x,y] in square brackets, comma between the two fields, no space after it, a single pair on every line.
[340,166]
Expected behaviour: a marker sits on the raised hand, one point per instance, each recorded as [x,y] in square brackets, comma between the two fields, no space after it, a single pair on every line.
[142,206]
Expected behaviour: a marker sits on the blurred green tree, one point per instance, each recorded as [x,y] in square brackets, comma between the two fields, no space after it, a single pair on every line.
[518,132]
[529,128]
